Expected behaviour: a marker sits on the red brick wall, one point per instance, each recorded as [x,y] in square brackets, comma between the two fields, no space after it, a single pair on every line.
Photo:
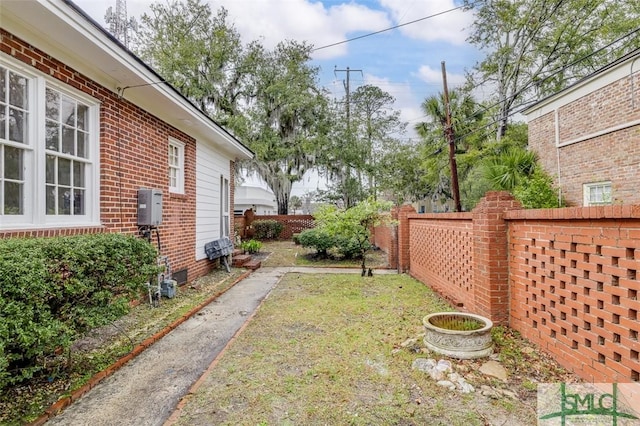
[293,224]
[133,155]
[385,237]
[490,268]
[567,279]
[574,287]
[404,258]
[612,156]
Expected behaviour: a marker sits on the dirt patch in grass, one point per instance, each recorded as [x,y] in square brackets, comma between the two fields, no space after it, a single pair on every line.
[339,350]
[286,253]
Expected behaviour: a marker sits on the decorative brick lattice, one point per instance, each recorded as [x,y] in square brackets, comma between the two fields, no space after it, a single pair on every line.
[442,257]
[576,295]
[293,224]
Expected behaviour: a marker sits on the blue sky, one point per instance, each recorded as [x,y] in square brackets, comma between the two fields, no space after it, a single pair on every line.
[405,62]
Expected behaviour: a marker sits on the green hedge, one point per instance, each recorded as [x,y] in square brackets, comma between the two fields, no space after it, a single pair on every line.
[318,239]
[54,289]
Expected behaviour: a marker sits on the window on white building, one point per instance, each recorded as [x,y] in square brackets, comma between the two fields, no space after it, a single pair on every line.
[176,166]
[48,144]
[596,194]
[224,207]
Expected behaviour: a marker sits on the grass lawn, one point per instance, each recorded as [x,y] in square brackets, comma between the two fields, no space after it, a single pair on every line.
[323,349]
[332,349]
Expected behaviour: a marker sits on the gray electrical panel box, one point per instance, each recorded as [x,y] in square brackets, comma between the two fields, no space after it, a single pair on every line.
[149,207]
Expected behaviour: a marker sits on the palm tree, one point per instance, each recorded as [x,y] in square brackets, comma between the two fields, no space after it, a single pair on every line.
[506,170]
[464,116]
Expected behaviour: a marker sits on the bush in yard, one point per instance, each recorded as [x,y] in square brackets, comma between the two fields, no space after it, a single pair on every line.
[296,238]
[317,239]
[537,191]
[54,289]
[352,227]
[251,246]
[267,229]
[350,247]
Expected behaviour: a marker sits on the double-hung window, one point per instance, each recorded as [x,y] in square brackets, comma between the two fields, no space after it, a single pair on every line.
[224,207]
[176,166]
[596,194]
[48,152]
[15,143]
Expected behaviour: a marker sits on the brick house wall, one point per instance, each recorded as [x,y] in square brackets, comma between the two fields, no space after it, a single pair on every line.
[133,155]
[590,133]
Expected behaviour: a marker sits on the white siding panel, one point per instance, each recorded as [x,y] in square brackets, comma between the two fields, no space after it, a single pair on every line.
[210,164]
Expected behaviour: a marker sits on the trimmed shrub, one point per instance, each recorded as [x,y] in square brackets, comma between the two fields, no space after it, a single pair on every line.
[54,289]
[537,191]
[351,247]
[318,239]
[267,229]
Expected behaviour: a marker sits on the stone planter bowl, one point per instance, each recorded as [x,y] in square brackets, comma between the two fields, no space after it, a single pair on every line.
[466,336]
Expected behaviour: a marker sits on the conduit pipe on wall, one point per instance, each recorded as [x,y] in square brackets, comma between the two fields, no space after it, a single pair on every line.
[633,92]
[557,131]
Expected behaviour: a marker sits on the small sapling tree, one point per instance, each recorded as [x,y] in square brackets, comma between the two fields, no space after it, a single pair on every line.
[352,227]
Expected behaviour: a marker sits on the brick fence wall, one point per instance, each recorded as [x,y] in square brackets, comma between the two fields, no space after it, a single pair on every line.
[441,255]
[385,237]
[567,279]
[293,224]
[574,287]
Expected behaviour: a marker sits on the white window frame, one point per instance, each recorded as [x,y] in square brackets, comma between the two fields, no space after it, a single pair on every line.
[178,187]
[224,207]
[35,156]
[605,197]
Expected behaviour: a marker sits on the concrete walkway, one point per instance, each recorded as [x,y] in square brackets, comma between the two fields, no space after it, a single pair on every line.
[147,389]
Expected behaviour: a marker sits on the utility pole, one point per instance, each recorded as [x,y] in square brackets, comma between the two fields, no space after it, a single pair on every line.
[347,88]
[452,144]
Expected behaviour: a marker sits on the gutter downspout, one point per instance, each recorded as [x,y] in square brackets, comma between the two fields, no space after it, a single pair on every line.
[633,92]
[557,131]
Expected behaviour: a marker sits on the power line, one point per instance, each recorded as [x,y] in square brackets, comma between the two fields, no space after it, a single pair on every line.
[547,77]
[391,28]
[562,69]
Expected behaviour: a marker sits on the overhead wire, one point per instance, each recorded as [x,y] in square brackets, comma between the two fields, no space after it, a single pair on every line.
[552,73]
[391,28]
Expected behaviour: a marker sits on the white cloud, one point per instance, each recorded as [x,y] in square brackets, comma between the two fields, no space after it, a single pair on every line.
[451,27]
[434,76]
[406,100]
[272,21]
